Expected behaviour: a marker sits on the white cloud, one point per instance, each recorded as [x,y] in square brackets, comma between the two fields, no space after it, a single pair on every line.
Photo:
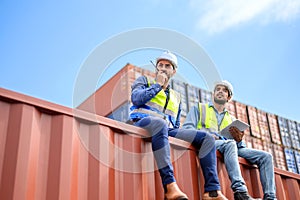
[218,15]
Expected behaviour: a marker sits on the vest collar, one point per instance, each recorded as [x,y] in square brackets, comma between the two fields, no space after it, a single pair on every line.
[210,104]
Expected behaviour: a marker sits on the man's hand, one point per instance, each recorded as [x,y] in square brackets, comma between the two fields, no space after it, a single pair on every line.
[215,136]
[236,134]
[161,78]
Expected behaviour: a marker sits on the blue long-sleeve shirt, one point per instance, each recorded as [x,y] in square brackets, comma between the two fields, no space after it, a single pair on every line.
[141,93]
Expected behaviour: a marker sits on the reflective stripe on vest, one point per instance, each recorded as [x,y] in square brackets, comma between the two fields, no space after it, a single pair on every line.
[159,102]
[208,119]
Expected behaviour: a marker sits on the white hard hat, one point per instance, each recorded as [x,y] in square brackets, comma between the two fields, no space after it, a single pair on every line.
[227,85]
[167,55]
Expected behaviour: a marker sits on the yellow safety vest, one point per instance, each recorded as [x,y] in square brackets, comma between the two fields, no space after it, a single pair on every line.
[160,100]
[208,119]
[158,105]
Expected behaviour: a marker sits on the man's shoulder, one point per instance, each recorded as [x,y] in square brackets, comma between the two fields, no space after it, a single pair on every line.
[141,80]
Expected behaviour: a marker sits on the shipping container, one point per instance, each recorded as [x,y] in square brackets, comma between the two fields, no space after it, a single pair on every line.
[48,151]
[279,157]
[290,160]
[274,128]
[253,121]
[205,96]
[284,132]
[193,96]
[298,128]
[263,125]
[248,140]
[114,93]
[268,147]
[230,106]
[149,74]
[180,87]
[121,113]
[297,160]
[241,114]
[257,143]
[293,132]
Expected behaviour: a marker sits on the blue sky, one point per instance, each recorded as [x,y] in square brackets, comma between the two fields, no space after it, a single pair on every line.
[253,44]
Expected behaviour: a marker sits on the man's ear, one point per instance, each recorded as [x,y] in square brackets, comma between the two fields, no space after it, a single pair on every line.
[174,71]
[229,98]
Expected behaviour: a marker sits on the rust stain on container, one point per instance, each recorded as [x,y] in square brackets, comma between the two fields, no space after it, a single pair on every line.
[53,152]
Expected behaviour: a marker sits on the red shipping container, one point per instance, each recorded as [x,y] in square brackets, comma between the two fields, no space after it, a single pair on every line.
[241,114]
[279,156]
[274,129]
[263,125]
[257,143]
[230,106]
[253,121]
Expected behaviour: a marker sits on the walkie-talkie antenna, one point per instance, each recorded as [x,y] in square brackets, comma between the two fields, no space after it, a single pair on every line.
[153,63]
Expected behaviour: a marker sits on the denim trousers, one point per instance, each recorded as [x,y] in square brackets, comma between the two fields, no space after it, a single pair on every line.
[264,162]
[202,141]
[262,159]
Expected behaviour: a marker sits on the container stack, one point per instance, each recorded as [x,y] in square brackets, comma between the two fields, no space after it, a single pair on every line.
[253,121]
[180,87]
[275,136]
[205,96]
[193,96]
[265,132]
[230,106]
[241,114]
[268,132]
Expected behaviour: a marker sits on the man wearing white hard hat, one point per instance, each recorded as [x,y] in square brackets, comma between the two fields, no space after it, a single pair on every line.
[156,108]
[214,117]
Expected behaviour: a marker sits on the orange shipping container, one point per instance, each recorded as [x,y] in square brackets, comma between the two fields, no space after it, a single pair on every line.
[48,151]
[114,93]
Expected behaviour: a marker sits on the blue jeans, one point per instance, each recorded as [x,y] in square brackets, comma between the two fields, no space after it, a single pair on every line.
[262,159]
[228,149]
[159,131]
[264,162]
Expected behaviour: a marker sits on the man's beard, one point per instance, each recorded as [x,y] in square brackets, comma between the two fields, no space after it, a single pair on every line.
[219,101]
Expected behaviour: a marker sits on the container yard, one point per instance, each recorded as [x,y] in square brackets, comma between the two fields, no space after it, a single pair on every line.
[49,151]
[267,131]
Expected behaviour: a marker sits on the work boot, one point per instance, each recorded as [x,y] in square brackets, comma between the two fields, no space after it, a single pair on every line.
[174,193]
[242,196]
[214,195]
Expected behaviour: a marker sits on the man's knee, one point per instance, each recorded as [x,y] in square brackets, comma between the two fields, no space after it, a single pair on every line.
[209,139]
[156,125]
[268,156]
[230,145]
